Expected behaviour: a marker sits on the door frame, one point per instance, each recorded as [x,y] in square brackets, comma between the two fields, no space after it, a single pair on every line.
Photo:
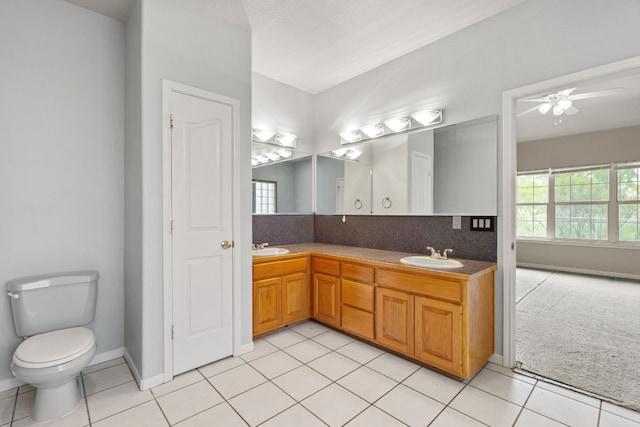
[507,229]
[168,87]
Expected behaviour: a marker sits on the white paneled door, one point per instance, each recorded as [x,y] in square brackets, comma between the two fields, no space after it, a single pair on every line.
[202,245]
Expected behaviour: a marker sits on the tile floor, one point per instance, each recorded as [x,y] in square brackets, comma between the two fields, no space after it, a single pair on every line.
[309,375]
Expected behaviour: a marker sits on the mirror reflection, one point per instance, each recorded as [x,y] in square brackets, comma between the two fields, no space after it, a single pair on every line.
[451,170]
[283,187]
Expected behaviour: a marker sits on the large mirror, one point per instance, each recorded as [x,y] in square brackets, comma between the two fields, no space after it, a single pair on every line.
[284,186]
[451,170]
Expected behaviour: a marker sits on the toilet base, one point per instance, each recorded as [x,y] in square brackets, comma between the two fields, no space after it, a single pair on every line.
[56,402]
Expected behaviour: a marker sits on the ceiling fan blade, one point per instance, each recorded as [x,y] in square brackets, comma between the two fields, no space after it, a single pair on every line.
[565,92]
[532,100]
[571,110]
[596,94]
[527,111]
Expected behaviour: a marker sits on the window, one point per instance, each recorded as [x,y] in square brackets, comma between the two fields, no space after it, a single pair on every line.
[264,197]
[582,204]
[532,200]
[597,203]
[628,177]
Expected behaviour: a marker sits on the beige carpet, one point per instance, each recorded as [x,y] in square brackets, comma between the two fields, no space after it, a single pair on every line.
[580,330]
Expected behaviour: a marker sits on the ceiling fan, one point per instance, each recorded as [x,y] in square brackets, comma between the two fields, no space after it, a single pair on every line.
[561,102]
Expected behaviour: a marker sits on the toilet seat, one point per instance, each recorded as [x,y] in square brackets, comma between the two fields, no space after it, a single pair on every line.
[54,348]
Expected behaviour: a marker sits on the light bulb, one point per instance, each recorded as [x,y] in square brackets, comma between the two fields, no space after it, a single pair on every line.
[398,124]
[373,131]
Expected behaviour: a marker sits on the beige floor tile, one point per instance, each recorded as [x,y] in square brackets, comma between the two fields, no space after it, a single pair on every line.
[367,383]
[562,408]
[374,417]
[394,367]
[6,394]
[332,339]
[301,382]
[409,406]
[623,412]
[607,419]
[510,372]
[306,351]
[450,418]
[592,401]
[115,400]
[275,364]
[103,379]
[528,418]
[360,352]
[334,405]
[103,365]
[145,415]
[503,386]
[220,366]
[23,405]
[237,380]
[435,385]
[334,366]
[177,383]
[78,418]
[261,403]
[310,328]
[189,401]
[260,348]
[6,408]
[296,416]
[485,407]
[284,338]
[220,415]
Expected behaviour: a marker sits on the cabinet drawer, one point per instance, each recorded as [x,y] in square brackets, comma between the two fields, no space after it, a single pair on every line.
[279,268]
[358,295]
[326,266]
[424,285]
[360,273]
[358,322]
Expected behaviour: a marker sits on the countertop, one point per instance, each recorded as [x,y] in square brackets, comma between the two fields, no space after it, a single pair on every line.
[383,257]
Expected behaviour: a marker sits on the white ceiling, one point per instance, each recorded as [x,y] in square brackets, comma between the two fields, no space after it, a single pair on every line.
[315,44]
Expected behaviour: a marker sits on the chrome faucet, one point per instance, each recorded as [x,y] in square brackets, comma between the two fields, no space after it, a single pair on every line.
[445,252]
[434,253]
[258,246]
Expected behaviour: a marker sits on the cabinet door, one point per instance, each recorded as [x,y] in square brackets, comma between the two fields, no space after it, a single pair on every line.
[326,299]
[266,305]
[295,298]
[439,334]
[394,320]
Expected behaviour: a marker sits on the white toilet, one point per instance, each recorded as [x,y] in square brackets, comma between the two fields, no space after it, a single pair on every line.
[50,310]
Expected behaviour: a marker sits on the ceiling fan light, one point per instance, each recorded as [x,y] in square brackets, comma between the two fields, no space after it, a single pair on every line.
[398,124]
[544,108]
[565,104]
[351,136]
[427,117]
[558,110]
[373,131]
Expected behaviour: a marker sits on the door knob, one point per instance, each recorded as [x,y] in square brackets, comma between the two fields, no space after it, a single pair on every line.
[225,244]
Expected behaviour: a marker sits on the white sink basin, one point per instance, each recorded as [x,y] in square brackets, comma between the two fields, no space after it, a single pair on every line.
[428,262]
[269,251]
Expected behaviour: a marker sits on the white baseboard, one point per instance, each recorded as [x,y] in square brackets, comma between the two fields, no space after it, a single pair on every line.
[579,270]
[496,358]
[9,383]
[244,349]
[107,356]
[143,383]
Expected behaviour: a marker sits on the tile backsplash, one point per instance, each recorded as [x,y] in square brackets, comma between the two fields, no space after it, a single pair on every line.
[397,233]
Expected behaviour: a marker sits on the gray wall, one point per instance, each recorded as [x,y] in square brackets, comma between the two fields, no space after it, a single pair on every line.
[61,157]
[467,72]
[181,42]
[609,146]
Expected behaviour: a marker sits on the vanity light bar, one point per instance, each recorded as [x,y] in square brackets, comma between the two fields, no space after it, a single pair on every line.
[346,153]
[393,125]
[276,138]
[271,156]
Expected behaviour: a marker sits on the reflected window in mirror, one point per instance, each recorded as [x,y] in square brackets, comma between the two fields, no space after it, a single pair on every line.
[265,196]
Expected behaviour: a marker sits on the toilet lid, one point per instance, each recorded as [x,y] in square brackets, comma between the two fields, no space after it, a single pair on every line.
[53,348]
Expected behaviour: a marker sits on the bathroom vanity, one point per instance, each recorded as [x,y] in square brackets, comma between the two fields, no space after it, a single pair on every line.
[440,318]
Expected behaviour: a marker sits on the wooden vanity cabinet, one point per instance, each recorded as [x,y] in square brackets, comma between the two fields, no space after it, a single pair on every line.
[280,293]
[357,292]
[326,290]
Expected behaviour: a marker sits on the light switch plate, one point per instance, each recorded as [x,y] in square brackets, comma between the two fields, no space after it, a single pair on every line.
[457,222]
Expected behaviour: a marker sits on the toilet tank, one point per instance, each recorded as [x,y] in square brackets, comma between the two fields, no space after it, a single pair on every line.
[53,301]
